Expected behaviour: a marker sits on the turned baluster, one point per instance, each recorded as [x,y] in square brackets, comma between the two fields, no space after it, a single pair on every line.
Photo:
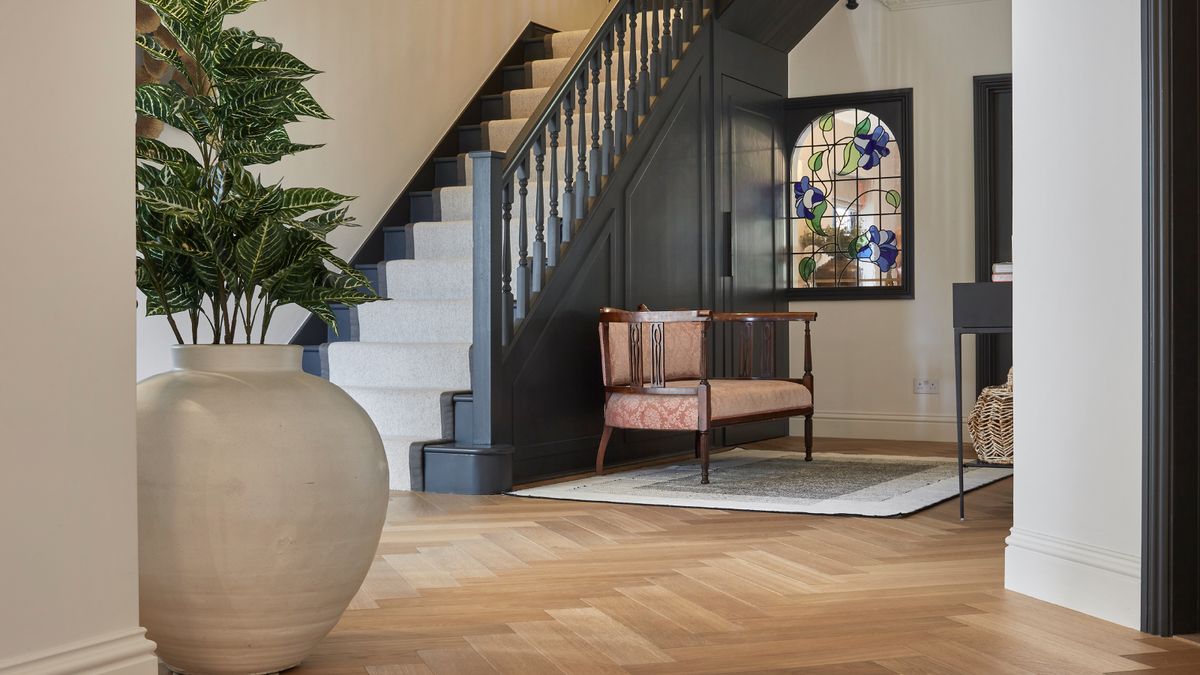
[678,29]
[506,295]
[594,151]
[581,174]
[656,66]
[553,222]
[633,97]
[539,223]
[688,18]
[606,143]
[618,147]
[568,164]
[668,43]
[523,271]
[644,76]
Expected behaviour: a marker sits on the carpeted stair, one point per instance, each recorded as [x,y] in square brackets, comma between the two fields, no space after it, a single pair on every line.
[405,357]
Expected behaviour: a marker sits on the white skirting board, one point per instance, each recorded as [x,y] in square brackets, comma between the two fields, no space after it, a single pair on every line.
[123,653]
[1097,581]
[881,425]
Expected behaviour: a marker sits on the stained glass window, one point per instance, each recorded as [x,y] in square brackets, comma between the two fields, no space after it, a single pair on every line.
[849,201]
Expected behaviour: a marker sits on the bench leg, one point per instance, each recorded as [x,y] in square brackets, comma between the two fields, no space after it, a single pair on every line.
[604,436]
[808,437]
[703,442]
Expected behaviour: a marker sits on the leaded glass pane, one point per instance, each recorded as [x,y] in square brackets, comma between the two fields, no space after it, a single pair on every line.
[847,203]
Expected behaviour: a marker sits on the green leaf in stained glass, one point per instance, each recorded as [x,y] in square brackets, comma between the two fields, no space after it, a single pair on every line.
[815,162]
[807,267]
[856,245]
[864,127]
[826,122]
[850,157]
[893,198]
[814,223]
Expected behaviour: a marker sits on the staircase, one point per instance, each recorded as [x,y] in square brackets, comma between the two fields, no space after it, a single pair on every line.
[410,353]
[404,360]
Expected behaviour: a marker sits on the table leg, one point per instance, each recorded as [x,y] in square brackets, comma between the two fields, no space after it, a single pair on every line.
[962,507]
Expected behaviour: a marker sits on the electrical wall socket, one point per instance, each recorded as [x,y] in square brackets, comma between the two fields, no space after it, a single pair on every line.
[925,385]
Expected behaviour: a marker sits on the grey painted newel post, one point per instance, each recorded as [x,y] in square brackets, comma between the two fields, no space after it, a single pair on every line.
[487,298]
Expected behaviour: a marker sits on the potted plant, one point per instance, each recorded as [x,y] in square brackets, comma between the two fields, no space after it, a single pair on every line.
[262,490]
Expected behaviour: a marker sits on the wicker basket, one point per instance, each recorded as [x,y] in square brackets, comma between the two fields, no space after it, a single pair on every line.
[991,423]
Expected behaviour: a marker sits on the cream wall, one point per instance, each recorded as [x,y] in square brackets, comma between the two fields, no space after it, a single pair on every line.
[867,352]
[397,74]
[1076,536]
[68,486]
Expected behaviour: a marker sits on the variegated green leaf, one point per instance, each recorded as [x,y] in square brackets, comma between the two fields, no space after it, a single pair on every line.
[154,150]
[301,102]
[158,50]
[156,100]
[259,253]
[172,201]
[256,63]
[324,223]
[303,200]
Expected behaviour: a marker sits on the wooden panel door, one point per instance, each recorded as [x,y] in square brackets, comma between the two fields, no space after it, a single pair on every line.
[751,168]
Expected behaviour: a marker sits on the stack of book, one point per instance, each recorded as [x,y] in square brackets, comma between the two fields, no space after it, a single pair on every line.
[1002,272]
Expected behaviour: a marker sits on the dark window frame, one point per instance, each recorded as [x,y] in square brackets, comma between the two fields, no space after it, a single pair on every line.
[798,114]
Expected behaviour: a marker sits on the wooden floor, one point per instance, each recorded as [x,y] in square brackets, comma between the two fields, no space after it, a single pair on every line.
[504,584]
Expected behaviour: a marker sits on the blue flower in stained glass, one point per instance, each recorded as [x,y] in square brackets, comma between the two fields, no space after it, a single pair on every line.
[873,147]
[879,248]
[807,198]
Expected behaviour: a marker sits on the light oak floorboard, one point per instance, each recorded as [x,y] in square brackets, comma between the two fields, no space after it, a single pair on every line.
[497,584]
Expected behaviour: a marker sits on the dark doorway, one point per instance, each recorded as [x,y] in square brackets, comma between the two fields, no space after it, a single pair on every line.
[1171,287]
[993,209]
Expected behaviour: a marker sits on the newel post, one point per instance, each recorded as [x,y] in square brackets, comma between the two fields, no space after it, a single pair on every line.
[486,291]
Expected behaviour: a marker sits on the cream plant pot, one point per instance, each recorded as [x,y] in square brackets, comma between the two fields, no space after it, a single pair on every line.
[262,492]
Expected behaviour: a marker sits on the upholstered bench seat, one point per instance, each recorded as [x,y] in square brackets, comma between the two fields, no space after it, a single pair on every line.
[655,371]
[727,399]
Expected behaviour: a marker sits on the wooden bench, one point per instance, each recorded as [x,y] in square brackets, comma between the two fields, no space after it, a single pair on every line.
[655,373]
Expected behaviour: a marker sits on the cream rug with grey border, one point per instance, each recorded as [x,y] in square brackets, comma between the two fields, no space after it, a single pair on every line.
[782,482]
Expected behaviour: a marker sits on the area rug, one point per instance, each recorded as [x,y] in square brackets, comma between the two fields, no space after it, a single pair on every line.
[782,482]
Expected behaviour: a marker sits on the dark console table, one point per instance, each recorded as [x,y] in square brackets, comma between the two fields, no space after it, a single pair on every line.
[979,308]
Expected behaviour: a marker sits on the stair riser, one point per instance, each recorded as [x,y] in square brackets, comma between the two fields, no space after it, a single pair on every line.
[366,364]
[408,321]
[442,240]
[514,77]
[470,138]
[396,245]
[403,412]
[422,279]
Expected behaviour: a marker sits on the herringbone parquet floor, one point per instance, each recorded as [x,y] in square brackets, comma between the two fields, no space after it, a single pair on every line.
[502,584]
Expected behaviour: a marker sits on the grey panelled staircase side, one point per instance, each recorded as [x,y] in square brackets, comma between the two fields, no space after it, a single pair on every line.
[405,357]
[537,210]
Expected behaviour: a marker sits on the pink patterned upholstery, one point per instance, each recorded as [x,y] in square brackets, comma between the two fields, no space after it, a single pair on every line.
[681,351]
[728,398]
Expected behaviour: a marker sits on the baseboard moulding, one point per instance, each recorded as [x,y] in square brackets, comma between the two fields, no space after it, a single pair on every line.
[121,653]
[1090,579]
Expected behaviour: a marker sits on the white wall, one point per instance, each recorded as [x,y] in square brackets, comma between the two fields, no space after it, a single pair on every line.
[397,74]
[1076,517]
[867,352]
[68,486]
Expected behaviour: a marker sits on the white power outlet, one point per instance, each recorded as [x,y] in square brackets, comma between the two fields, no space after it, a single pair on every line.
[925,385]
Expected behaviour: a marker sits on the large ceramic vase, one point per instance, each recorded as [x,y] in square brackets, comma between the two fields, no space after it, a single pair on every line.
[262,493]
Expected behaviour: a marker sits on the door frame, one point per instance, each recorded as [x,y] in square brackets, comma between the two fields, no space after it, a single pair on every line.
[1170,475]
[985,87]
